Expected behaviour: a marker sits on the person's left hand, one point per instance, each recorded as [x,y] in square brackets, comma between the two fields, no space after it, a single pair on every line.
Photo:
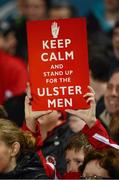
[87,115]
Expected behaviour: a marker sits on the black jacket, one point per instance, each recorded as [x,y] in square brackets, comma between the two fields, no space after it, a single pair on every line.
[55,145]
[28,167]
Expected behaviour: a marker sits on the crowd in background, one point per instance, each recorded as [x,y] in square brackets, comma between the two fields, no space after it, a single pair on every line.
[74,144]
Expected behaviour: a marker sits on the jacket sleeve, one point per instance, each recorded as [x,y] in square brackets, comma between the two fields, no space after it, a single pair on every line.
[98,136]
[48,167]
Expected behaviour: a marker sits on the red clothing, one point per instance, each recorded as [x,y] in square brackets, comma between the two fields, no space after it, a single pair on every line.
[99,130]
[71,175]
[90,132]
[13,76]
[49,168]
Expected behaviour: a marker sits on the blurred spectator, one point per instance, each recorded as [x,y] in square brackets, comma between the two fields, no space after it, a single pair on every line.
[21,7]
[106,48]
[13,77]
[111,13]
[114,127]
[99,73]
[101,165]
[14,107]
[111,99]
[8,37]
[86,6]
[61,10]
[113,50]
[83,8]
[8,9]
[115,40]
[34,10]
[106,20]
[17,154]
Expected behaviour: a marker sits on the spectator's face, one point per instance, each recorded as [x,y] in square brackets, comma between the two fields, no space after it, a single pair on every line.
[21,7]
[93,169]
[115,41]
[5,158]
[112,94]
[11,44]
[2,42]
[112,5]
[35,9]
[60,13]
[74,160]
[76,124]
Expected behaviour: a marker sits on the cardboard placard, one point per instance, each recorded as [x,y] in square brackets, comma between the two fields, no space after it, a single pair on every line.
[58,63]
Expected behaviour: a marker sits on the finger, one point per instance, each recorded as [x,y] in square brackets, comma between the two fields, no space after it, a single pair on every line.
[28,101]
[90,99]
[26,98]
[43,113]
[26,104]
[69,110]
[88,95]
[77,113]
[72,112]
[91,90]
[92,103]
[28,90]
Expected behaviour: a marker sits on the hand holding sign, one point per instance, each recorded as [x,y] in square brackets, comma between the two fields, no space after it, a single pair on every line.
[87,115]
[32,116]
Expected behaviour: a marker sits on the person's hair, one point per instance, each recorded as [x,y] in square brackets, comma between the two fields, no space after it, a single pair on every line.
[100,67]
[108,159]
[115,27]
[114,127]
[63,4]
[10,133]
[114,71]
[79,142]
[6,28]
[3,113]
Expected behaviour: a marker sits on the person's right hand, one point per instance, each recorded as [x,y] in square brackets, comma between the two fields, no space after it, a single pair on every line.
[30,115]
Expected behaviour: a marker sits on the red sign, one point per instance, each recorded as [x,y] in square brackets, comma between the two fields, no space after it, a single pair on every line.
[58,63]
